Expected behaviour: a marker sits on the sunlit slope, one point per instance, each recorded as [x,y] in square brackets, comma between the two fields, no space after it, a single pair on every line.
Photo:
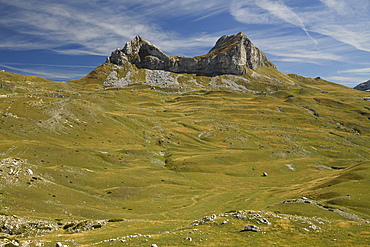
[176,155]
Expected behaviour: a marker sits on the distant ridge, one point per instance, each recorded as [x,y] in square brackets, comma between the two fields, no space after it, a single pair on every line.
[365,86]
[233,54]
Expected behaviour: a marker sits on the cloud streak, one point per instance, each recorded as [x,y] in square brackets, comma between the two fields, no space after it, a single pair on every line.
[52,72]
[344,21]
[64,28]
[363,71]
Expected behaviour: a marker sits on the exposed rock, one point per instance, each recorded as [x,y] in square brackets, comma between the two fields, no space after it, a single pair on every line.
[29,172]
[60,245]
[12,225]
[251,228]
[233,54]
[264,174]
[78,226]
[365,86]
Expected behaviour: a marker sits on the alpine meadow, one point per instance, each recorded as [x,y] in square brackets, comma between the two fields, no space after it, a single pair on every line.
[148,149]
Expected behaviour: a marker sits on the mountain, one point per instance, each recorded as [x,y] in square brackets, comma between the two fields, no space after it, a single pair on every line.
[234,63]
[233,54]
[365,86]
[129,155]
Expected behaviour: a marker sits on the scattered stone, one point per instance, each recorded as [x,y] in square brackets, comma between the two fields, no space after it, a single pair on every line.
[154,245]
[290,167]
[264,174]
[338,167]
[29,172]
[264,221]
[240,217]
[251,228]
[59,244]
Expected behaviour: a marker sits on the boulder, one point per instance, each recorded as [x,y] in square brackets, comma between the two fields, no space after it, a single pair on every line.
[251,228]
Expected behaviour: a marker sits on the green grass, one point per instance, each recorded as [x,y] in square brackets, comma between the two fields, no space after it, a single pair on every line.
[159,160]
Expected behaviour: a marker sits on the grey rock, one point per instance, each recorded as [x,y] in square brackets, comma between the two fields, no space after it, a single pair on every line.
[264,174]
[251,228]
[59,244]
[233,54]
[365,86]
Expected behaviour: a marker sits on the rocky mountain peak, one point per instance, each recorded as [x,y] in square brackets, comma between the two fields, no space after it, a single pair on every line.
[365,86]
[227,40]
[233,54]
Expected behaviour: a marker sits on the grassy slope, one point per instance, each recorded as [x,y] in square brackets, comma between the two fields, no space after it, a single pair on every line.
[163,160]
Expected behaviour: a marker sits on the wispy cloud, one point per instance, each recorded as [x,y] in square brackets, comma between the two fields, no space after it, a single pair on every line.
[363,71]
[53,72]
[346,80]
[65,29]
[268,12]
[288,47]
[344,21]
[307,32]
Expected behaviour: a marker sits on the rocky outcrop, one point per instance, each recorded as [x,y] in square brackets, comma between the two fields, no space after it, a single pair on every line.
[365,86]
[233,54]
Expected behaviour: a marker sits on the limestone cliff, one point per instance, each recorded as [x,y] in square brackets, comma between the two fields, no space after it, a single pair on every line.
[233,54]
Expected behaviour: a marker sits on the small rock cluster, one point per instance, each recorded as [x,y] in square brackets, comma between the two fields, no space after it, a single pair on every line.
[124,239]
[260,218]
[17,226]
[255,216]
[85,225]
[14,169]
[12,225]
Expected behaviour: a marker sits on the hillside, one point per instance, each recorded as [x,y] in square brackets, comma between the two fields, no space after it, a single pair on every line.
[134,156]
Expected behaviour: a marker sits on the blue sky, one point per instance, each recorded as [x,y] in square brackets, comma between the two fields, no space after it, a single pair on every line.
[64,40]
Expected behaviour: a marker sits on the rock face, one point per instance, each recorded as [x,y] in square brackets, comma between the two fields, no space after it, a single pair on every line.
[233,54]
[363,86]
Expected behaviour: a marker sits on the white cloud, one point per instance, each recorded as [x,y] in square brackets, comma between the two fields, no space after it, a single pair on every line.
[357,71]
[337,5]
[268,12]
[65,29]
[348,81]
[344,21]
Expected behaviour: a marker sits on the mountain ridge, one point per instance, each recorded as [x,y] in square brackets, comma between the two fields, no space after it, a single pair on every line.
[234,54]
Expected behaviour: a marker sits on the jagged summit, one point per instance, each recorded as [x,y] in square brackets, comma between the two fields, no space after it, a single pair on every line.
[233,54]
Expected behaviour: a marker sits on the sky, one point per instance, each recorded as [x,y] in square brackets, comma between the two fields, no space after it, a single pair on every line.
[64,40]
